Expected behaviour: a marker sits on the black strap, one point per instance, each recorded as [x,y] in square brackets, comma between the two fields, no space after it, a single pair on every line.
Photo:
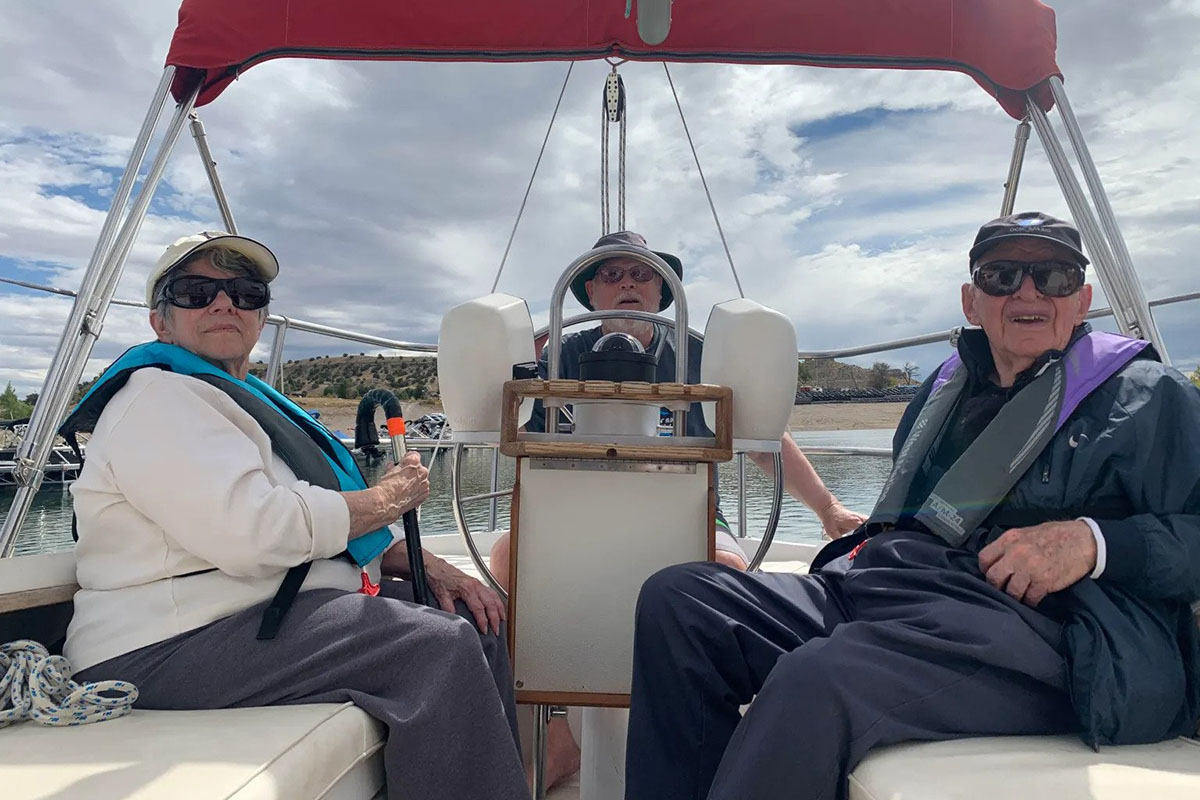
[273,616]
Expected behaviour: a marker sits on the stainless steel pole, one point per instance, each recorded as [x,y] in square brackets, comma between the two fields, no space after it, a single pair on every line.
[1108,220]
[81,327]
[210,168]
[1089,228]
[541,716]
[275,362]
[777,504]
[94,320]
[741,473]
[1021,139]
[493,483]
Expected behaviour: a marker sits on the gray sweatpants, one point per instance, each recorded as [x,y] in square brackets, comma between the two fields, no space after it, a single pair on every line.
[443,690]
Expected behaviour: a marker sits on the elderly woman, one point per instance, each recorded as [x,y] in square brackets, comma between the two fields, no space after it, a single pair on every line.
[231,555]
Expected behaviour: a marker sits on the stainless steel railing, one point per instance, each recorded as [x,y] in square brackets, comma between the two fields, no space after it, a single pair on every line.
[277,320]
[283,324]
[421,347]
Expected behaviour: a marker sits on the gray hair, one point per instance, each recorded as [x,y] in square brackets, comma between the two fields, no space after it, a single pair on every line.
[223,258]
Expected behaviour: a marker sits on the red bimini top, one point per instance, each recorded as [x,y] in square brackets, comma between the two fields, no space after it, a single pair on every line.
[1007,46]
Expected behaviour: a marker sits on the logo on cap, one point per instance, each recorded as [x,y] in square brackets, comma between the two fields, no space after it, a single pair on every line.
[1028,223]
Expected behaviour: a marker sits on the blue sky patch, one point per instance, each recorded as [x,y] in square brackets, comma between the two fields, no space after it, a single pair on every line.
[97,198]
[842,124]
[32,271]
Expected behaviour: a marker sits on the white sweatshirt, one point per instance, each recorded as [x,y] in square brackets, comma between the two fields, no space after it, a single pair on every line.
[179,479]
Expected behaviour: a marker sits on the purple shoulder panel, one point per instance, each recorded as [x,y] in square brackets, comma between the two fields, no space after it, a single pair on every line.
[945,371]
[1091,361]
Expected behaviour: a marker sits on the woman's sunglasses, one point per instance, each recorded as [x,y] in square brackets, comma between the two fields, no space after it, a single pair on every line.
[1051,278]
[198,291]
[613,273]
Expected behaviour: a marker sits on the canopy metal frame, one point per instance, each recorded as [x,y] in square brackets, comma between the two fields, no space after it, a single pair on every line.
[86,319]
[1101,234]
[1100,231]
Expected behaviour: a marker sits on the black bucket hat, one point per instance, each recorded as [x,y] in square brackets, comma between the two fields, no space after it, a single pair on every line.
[1028,224]
[632,239]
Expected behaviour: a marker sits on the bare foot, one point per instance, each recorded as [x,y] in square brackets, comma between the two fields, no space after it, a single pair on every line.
[562,754]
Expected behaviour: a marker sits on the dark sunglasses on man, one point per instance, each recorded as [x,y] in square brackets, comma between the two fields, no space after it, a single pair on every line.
[1051,278]
[199,291]
[614,273]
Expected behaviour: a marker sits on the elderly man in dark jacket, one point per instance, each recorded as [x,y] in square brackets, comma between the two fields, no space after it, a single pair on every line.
[1029,568]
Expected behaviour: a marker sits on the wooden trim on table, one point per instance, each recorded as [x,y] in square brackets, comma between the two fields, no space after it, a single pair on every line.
[635,391]
[35,598]
[626,452]
[597,699]
[612,390]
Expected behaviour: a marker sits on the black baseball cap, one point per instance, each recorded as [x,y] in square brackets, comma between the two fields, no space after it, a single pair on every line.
[631,239]
[1028,225]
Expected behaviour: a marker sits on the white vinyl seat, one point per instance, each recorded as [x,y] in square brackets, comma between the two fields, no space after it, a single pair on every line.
[1025,767]
[305,752]
[1029,768]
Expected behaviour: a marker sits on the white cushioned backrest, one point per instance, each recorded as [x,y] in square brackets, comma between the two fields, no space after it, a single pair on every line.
[752,349]
[479,342]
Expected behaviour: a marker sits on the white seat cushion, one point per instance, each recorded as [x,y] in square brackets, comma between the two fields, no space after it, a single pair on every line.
[279,753]
[1029,768]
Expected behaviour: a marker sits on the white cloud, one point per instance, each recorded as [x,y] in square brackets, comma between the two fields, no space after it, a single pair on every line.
[389,190]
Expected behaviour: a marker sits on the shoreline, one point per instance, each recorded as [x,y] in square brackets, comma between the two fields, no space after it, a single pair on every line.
[846,416]
[339,414]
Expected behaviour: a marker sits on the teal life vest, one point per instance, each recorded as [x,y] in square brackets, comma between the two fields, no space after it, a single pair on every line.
[306,446]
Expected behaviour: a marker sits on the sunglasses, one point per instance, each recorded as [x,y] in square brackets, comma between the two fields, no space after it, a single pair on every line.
[613,273]
[1051,278]
[199,291]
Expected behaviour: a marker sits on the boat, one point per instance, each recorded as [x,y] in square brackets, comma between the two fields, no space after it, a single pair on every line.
[333,751]
[62,465]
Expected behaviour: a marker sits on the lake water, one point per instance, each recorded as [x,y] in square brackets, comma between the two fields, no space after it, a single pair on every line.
[856,480]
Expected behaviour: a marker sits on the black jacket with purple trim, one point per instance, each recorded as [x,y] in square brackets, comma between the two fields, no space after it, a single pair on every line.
[1128,457]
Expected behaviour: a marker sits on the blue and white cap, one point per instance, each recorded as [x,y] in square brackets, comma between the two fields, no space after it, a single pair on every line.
[1028,224]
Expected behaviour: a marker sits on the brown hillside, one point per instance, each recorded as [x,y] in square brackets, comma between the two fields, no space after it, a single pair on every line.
[415,378]
[352,376]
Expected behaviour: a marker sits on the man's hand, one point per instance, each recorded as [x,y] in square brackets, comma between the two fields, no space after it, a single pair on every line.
[1030,563]
[837,520]
[449,583]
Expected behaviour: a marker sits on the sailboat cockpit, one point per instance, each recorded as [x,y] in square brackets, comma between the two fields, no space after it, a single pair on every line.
[577,564]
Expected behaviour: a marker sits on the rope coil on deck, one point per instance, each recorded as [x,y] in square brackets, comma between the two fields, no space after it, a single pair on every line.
[38,686]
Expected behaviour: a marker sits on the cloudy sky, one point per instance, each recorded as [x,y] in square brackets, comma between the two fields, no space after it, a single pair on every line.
[388,190]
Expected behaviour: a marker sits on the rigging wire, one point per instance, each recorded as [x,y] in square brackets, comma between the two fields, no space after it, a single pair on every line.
[707,193]
[604,226]
[529,187]
[621,176]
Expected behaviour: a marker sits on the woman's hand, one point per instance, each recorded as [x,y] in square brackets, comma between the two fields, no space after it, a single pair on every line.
[406,484]
[449,583]
[402,488]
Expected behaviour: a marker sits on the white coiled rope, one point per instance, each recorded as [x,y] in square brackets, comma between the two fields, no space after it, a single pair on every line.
[36,685]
